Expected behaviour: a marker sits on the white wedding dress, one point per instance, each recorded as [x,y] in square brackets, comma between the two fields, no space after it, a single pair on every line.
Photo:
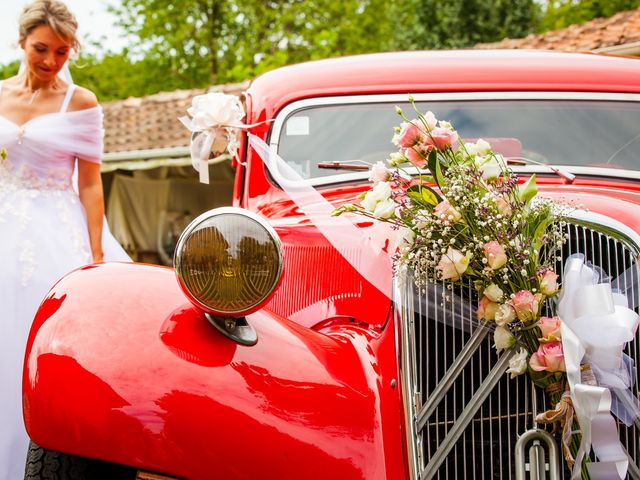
[43,235]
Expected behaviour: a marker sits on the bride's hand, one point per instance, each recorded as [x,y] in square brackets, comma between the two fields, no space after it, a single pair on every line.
[98,257]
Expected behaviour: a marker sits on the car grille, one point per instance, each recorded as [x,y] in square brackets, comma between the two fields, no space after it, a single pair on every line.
[464,413]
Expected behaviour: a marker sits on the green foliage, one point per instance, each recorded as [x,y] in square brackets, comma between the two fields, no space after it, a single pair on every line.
[10,69]
[562,13]
[180,44]
[115,76]
[436,24]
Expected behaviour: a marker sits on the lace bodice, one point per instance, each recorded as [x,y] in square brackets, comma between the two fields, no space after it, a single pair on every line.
[41,153]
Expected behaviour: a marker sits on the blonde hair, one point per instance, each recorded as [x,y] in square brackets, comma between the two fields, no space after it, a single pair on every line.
[52,13]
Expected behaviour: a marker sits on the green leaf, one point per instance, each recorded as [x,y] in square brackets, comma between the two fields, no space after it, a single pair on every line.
[528,190]
[539,232]
[424,195]
[426,178]
[432,160]
[438,174]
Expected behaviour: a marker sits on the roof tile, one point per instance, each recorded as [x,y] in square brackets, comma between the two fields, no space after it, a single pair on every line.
[621,28]
[152,122]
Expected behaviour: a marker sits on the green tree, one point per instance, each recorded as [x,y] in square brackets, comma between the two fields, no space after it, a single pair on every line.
[10,69]
[184,38]
[562,13]
[214,41]
[435,24]
[115,76]
[283,32]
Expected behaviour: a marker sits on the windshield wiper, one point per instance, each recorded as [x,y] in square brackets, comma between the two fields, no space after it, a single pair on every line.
[343,166]
[522,161]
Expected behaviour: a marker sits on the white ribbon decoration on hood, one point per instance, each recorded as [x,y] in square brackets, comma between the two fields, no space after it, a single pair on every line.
[596,325]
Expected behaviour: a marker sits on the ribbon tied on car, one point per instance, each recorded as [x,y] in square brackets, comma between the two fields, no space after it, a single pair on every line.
[596,326]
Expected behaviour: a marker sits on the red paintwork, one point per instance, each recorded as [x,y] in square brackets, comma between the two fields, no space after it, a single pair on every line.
[122,367]
[144,380]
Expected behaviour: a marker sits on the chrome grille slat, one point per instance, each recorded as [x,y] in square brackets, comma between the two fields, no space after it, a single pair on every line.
[440,381]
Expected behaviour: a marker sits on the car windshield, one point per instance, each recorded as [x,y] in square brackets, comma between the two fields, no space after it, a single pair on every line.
[594,133]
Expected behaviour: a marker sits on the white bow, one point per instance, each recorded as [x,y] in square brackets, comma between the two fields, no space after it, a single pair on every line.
[596,325]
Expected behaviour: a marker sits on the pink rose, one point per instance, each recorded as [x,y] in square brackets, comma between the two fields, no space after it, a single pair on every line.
[526,305]
[550,328]
[443,137]
[549,357]
[418,154]
[486,309]
[410,134]
[548,282]
[493,251]
[453,264]
[445,210]
[504,207]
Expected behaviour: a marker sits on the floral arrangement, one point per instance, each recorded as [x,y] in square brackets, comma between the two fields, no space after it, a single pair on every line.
[466,218]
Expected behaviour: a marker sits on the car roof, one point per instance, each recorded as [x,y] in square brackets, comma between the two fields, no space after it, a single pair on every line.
[445,71]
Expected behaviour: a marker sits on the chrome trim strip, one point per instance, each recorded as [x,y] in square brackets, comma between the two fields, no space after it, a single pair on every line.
[459,96]
[466,416]
[407,366]
[608,226]
[447,380]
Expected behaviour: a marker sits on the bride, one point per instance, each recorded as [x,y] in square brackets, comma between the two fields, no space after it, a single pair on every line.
[48,225]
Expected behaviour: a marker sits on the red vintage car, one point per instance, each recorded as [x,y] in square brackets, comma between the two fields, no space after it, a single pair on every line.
[270,356]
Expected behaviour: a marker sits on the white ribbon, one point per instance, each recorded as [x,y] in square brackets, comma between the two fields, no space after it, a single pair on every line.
[596,325]
[218,137]
[367,254]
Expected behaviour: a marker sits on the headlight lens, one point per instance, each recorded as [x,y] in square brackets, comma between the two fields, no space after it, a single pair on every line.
[228,261]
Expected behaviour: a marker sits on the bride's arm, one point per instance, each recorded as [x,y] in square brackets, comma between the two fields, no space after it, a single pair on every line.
[92,198]
[90,181]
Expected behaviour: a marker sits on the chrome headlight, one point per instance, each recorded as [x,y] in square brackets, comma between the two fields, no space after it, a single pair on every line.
[228,261]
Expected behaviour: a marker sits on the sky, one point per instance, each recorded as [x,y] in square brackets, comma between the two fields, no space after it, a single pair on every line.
[95,23]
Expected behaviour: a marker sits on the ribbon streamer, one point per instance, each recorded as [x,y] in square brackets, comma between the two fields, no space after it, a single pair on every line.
[596,324]
[365,253]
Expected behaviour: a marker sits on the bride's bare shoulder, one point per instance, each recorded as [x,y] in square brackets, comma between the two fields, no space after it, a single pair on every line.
[82,99]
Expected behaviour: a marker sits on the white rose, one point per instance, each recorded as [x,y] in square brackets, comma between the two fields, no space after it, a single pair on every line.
[490,166]
[431,120]
[505,315]
[215,109]
[518,363]
[502,339]
[385,209]
[482,147]
[379,193]
[493,292]
[396,159]
[405,238]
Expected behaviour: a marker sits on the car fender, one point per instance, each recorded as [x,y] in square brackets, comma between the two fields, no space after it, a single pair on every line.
[120,366]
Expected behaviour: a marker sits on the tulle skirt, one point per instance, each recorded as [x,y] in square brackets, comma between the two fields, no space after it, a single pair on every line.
[43,236]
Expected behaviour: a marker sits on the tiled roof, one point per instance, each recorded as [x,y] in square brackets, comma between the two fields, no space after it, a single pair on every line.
[602,33]
[151,122]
